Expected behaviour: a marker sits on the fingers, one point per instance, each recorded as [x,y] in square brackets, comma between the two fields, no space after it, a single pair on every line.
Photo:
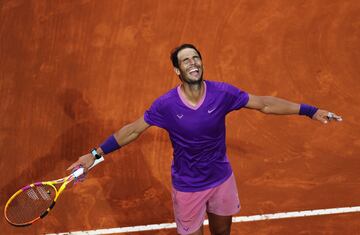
[86,161]
[326,116]
[323,120]
[332,116]
[72,166]
[76,164]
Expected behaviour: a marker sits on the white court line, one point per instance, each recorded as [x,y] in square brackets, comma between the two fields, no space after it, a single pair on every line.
[238,219]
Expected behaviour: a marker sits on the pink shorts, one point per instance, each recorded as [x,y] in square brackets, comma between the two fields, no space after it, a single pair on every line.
[190,207]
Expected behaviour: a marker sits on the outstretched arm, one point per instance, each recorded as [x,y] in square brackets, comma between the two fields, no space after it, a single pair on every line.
[131,132]
[274,105]
[122,137]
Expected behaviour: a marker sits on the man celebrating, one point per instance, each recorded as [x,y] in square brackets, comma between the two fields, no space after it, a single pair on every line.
[194,116]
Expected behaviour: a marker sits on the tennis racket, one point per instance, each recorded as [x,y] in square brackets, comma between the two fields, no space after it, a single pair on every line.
[34,201]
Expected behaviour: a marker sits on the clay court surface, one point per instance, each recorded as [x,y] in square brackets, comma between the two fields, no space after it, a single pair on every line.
[73,72]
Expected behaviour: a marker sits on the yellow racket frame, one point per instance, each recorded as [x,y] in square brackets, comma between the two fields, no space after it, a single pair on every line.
[65,181]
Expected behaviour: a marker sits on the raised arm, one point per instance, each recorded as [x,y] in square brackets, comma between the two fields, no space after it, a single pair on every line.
[122,137]
[274,105]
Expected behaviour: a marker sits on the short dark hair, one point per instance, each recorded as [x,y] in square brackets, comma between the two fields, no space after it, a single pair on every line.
[175,51]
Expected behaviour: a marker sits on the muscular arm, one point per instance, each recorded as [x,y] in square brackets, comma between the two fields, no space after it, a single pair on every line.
[124,136]
[131,132]
[272,105]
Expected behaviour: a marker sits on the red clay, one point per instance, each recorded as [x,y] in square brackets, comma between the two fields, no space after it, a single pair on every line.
[72,72]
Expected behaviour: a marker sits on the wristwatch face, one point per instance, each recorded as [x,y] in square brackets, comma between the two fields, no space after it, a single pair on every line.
[95,154]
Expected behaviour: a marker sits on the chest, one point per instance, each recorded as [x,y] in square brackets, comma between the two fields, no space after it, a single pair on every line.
[206,120]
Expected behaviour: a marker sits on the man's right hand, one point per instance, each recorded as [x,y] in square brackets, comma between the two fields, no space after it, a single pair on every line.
[86,161]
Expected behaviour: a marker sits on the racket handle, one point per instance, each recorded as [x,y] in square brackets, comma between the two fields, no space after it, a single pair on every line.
[80,171]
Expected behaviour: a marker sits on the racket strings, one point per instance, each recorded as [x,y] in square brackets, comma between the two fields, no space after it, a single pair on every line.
[30,204]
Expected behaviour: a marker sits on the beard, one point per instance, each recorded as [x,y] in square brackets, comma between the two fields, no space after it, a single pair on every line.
[191,82]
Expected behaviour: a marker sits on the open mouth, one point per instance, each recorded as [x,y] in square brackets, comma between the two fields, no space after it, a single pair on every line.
[194,72]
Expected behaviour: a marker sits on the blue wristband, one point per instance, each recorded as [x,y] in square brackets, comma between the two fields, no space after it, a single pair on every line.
[110,145]
[307,110]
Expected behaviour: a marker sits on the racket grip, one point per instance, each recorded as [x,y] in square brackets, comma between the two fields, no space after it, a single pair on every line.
[80,171]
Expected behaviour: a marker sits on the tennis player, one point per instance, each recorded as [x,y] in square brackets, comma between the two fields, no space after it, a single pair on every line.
[194,113]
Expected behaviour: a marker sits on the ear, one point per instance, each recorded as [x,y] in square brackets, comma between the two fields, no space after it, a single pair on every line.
[177,71]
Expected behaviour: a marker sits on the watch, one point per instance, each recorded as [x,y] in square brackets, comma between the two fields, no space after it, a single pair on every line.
[95,154]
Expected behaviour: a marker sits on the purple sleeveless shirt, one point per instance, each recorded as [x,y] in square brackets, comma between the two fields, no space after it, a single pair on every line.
[197,134]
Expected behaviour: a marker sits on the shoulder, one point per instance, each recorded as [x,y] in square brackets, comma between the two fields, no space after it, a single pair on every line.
[223,87]
[166,99]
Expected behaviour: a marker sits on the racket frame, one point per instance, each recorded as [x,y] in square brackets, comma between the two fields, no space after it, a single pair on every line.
[65,181]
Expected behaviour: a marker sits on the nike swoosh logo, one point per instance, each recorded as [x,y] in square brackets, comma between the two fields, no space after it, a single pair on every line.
[179,115]
[211,110]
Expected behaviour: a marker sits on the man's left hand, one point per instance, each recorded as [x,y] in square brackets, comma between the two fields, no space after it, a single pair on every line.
[326,116]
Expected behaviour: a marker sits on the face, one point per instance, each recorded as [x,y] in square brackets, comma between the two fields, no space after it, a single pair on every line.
[190,66]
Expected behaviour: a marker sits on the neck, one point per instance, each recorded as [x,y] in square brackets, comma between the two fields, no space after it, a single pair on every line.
[193,92]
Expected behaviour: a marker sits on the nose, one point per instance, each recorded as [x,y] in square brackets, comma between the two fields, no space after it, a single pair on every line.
[191,61]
